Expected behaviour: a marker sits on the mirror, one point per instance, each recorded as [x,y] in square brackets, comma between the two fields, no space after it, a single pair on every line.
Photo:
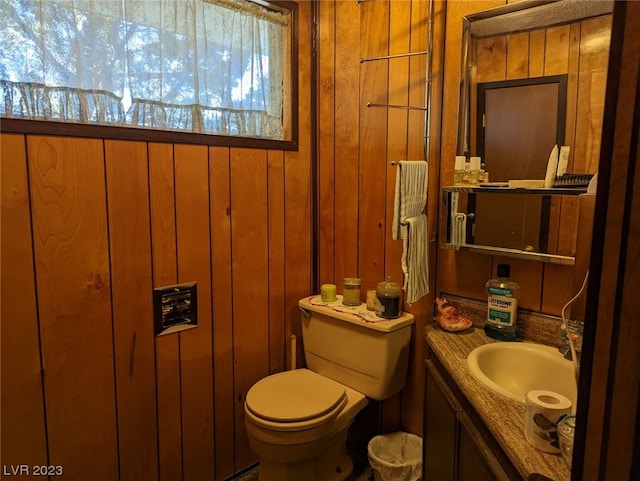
[520,119]
[533,40]
[516,222]
[533,76]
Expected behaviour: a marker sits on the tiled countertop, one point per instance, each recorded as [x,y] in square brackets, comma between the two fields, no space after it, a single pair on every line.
[503,417]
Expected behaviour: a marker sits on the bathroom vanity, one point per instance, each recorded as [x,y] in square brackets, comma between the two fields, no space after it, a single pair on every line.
[471,432]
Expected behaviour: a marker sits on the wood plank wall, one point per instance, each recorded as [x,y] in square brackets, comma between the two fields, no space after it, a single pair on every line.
[357,145]
[579,50]
[96,223]
[89,228]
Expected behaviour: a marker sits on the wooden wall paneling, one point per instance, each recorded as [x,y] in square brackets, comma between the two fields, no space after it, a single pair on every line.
[327,152]
[130,253]
[583,253]
[573,67]
[435,143]
[518,55]
[528,274]
[74,299]
[250,272]
[196,345]
[374,88]
[492,59]
[223,320]
[450,74]
[463,273]
[567,236]
[556,288]
[297,201]
[306,43]
[298,257]
[164,263]
[397,129]
[536,53]
[400,28]
[556,55]
[419,33]
[554,224]
[23,423]
[412,396]
[347,128]
[565,244]
[279,343]
[594,55]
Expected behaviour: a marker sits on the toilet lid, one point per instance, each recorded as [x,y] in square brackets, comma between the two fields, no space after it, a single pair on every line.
[293,396]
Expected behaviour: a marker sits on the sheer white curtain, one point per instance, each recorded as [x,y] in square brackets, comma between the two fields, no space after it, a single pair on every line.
[49,54]
[191,65]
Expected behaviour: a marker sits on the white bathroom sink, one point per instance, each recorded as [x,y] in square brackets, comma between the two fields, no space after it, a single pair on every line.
[514,368]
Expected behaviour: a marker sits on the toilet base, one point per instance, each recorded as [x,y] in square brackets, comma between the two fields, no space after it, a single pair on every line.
[332,465]
[317,454]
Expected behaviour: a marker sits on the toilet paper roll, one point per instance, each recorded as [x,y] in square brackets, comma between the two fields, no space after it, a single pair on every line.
[544,410]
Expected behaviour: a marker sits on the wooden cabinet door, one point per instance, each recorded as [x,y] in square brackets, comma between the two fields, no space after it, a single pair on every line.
[471,464]
[454,448]
[440,430]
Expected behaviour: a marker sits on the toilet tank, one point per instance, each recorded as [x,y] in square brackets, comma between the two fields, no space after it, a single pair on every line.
[355,347]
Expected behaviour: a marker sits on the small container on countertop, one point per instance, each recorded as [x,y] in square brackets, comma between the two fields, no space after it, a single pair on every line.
[388,295]
[328,292]
[351,291]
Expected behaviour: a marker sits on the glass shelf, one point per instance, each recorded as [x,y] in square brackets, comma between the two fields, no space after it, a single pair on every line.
[495,189]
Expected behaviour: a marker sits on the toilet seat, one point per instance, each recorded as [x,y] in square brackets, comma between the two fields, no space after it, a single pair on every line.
[295,400]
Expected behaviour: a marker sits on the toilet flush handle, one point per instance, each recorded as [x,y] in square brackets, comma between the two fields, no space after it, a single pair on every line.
[305,312]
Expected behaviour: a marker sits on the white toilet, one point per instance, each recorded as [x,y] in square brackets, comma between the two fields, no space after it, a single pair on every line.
[297,420]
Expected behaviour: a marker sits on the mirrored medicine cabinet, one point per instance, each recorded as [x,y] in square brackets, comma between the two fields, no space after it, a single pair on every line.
[530,223]
[533,75]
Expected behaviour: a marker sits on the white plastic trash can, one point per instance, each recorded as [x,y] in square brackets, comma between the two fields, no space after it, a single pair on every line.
[396,457]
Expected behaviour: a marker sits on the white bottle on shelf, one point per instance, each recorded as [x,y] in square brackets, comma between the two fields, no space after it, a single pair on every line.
[458,170]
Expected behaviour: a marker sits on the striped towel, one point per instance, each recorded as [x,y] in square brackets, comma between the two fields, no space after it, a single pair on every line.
[415,261]
[410,225]
[410,194]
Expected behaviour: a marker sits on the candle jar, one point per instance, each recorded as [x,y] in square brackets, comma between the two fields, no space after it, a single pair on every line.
[388,294]
[351,291]
[328,292]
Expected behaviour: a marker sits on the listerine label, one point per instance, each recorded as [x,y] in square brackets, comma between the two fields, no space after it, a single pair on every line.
[502,306]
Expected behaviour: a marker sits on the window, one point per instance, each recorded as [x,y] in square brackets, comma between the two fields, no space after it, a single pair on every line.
[201,66]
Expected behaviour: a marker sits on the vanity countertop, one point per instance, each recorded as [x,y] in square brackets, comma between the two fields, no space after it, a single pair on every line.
[502,416]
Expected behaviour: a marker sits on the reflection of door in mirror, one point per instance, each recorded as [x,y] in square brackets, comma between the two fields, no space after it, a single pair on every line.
[514,222]
[520,122]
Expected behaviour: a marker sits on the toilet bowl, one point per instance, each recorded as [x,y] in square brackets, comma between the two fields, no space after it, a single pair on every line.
[297,421]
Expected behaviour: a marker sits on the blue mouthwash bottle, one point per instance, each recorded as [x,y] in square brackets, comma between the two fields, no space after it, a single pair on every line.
[502,308]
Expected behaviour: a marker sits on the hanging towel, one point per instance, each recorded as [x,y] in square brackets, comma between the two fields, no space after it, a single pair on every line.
[410,194]
[415,261]
[410,225]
